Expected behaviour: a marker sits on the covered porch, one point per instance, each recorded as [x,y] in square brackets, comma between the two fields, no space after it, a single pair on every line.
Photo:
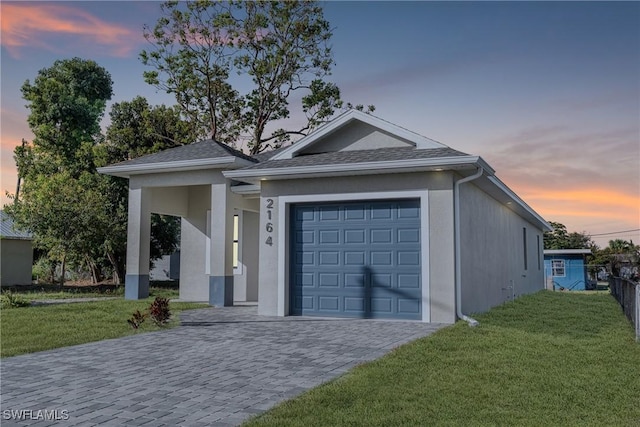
[219,222]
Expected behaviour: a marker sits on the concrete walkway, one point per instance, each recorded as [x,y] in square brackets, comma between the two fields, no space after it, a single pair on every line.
[220,367]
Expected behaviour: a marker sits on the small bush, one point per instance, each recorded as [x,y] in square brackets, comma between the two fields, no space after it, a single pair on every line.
[10,300]
[137,319]
[159,311]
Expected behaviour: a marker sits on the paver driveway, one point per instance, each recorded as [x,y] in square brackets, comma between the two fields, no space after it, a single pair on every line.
[221,366]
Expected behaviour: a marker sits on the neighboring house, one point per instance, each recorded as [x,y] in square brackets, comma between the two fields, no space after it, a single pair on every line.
[16,252]
[361,218]
[566,269]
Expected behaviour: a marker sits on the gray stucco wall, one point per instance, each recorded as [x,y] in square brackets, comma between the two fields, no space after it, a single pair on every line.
[356,136]
[440,198]
[17,261]
[492,252]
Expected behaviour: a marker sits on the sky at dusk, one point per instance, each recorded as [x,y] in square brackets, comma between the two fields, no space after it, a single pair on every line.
[547,92]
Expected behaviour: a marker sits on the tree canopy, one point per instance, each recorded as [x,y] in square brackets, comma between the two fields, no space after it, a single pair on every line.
[59,197]
[559,238]
[78,216]
[278,47]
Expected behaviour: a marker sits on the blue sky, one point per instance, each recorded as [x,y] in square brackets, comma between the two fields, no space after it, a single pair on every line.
[547,92]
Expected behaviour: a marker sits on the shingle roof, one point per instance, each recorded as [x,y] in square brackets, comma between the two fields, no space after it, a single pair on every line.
[266,155]
[359,156]
[206,149]
[7,230]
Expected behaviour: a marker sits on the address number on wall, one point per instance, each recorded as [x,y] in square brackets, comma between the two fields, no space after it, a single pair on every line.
[269,225]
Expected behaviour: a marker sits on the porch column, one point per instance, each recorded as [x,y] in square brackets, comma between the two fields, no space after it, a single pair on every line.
[221,254]
[138,240]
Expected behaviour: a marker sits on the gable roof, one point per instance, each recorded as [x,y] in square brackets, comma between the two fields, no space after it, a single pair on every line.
[8,230]
[419,141]
[206,153]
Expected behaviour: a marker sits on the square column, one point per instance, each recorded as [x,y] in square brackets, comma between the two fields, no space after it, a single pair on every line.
[138,241]
[221,247]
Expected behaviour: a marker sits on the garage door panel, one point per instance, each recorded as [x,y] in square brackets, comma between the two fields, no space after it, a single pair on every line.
[408,235]
[329,303]
[408,306]
[408,281]
[329,279]
[356,236]
[381,305]
[357,260]
[354,212]
[381,236]
[381,258]
[381,280]
[329,213]
[354,258]
[329,258]
[354,280]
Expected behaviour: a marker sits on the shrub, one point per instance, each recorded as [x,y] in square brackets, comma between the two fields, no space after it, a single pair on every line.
[137,319]
[10,300]
[159,311]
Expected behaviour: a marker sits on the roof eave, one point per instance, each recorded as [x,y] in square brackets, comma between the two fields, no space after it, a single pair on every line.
[126,171]
[515,203]
[364,168]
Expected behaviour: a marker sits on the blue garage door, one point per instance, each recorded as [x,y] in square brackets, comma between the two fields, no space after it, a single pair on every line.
[359,259]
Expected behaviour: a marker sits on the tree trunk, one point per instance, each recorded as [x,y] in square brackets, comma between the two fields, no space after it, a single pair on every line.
[62,270]
[118,268]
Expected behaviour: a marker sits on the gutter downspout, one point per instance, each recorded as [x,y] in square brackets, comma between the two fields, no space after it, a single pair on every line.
[456,218]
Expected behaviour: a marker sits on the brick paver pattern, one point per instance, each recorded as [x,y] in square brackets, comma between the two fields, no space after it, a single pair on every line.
[220,367]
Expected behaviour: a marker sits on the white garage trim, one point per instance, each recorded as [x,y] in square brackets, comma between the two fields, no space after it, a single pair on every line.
[284,203]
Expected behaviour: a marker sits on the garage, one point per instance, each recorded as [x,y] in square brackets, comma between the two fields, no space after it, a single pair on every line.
[356,259]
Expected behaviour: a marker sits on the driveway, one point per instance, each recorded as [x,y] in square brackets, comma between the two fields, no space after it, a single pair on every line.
[220,367]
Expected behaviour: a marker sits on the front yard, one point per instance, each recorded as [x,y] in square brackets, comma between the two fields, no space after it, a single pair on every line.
[545,359]
[37,328]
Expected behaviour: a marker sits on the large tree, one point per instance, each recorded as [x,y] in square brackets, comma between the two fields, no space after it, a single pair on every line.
[281,48]
[58,199]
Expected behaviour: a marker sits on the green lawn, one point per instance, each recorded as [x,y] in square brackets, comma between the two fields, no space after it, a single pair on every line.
[546,359]
[49,292]
[29,329]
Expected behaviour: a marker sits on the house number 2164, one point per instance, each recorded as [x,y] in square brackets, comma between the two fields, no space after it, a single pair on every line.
[269,226]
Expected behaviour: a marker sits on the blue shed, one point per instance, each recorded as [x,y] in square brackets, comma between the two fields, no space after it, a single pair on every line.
[566,269]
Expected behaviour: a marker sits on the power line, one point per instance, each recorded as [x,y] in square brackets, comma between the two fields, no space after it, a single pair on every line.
[615,232]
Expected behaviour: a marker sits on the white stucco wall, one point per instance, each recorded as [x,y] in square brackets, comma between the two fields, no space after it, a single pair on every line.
[439,186]
[492,252]
[17,261]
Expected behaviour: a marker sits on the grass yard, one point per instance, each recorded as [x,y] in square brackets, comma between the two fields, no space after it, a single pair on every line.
[30,329]
[50,292]
[546,359]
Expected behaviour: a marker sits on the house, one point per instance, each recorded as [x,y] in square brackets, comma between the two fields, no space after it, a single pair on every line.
[566,269]
[361,218]
[16,253]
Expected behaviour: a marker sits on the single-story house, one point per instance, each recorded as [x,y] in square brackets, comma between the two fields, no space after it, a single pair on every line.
[16,253]
[566,269]
[361,218]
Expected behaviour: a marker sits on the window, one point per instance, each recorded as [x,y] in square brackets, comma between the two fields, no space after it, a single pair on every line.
[236,240]
[524,246]
[557,268]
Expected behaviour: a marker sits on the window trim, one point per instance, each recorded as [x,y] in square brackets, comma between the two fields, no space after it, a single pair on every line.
[558,265]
